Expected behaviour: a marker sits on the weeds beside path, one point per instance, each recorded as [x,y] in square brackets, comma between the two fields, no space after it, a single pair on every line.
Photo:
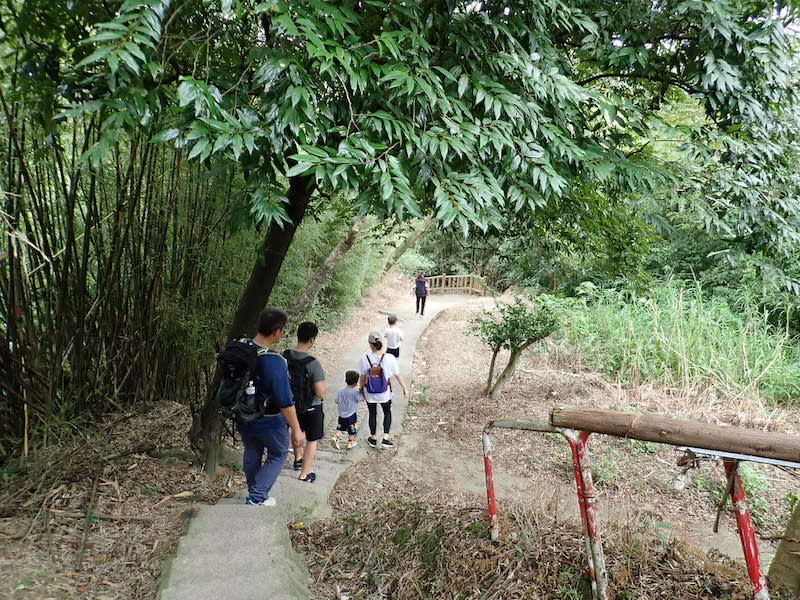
[412,523]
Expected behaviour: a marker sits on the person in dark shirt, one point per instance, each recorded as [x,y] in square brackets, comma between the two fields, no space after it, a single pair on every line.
[269,433]
[421,287]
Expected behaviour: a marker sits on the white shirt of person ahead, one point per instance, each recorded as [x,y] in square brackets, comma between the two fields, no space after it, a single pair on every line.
[393,336]
[390,369]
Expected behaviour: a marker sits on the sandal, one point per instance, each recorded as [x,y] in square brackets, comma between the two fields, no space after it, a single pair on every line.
[310,478]
[298,464]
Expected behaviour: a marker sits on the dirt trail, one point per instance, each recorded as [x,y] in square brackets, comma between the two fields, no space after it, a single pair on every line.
[439,453]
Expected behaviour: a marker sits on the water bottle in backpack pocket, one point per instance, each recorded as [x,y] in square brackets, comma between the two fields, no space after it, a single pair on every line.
[236,394]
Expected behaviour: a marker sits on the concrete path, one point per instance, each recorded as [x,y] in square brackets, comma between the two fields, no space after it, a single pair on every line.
[236,552]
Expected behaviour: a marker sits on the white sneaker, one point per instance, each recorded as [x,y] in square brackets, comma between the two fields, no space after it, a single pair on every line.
[268,502]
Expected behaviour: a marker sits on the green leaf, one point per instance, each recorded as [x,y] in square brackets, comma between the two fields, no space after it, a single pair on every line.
[95,56]
[136,51]
[199,147]
[301,168]
[237,144]
[187,93]
[463,83]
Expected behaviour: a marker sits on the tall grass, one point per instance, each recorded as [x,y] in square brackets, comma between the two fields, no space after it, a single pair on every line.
[679,337]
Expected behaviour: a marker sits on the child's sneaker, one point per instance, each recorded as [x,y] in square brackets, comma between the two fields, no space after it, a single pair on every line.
[351,444]
[335,442]
[387,443]
[373,443]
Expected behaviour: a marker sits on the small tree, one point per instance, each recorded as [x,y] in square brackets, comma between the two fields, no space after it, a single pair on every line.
[514,327]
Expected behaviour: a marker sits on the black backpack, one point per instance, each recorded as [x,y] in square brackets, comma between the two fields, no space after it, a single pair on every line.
[236,394]
[300,379]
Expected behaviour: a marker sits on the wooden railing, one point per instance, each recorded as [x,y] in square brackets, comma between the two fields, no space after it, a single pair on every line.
[697,440]
[470,284]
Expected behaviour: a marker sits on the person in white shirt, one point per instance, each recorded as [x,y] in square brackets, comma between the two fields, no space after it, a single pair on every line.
[394,336]
[375,370]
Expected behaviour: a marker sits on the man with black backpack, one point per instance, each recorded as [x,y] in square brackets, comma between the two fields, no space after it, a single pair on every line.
[269,432]
[309,388]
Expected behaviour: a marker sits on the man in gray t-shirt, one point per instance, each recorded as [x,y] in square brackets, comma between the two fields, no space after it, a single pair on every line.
[313,421]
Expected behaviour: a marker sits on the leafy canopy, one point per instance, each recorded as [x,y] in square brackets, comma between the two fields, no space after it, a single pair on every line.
[471,111]
[515,326]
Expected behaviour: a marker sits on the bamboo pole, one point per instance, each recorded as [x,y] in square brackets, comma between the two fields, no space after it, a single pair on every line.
[679,432]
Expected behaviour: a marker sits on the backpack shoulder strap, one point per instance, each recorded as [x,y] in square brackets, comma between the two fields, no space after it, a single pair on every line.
[369,361]
[287,354]
[381,360]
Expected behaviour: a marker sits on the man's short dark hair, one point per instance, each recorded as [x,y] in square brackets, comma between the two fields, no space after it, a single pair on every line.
[306,330]
[270,320]
[351,377]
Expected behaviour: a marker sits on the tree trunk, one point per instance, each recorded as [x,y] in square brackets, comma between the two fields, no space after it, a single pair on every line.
[506,374]
[254,299]
[317,281]
[270,259]
[410,241]
[784,572]
[491,372]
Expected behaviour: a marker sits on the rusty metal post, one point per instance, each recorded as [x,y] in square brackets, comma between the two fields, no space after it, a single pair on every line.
[747,533]
[488,468]
[587,501]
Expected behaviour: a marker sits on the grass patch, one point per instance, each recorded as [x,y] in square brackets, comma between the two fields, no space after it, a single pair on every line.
[441,549]
[680,338]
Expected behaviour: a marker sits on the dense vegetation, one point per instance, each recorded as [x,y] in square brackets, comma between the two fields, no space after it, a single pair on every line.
[159,157]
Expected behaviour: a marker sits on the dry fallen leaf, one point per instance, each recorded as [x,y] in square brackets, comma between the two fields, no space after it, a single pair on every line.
[186,494]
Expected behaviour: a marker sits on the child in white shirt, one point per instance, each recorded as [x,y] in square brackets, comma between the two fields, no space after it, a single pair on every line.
[394,336]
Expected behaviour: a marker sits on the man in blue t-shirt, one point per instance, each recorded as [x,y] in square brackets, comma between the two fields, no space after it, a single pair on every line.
[270,432]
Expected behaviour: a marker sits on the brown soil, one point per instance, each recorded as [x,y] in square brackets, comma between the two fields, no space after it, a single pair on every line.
[94,516]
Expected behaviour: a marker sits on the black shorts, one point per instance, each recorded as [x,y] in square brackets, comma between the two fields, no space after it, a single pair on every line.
[394,351]
[313,423]
[348,424]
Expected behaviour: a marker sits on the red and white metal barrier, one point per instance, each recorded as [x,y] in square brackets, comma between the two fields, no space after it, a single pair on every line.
[587,501]
[587,498]
[747,533]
